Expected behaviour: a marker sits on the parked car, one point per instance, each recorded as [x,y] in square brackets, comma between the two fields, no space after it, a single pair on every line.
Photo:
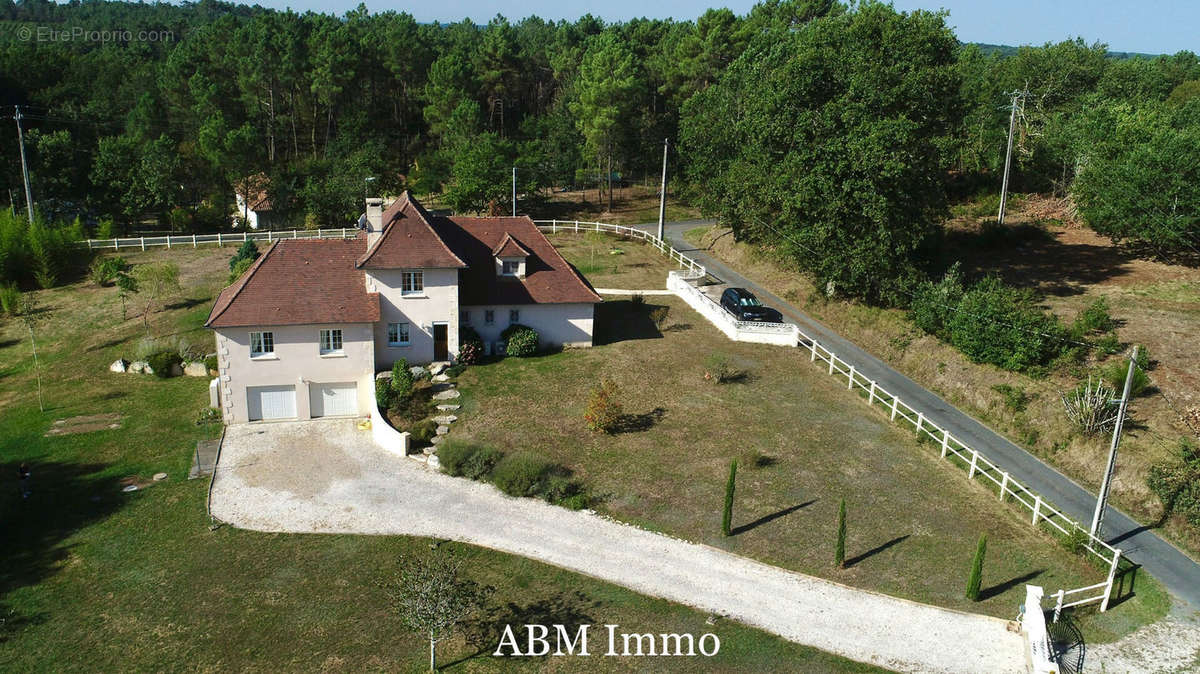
[745,306]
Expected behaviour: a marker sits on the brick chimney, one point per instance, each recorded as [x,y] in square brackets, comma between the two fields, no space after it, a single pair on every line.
[374,219]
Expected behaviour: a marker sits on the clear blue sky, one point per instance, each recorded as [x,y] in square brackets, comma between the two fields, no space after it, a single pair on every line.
[1152,26]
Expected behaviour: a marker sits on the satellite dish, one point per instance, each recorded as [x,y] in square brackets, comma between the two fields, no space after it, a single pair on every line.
[362,221]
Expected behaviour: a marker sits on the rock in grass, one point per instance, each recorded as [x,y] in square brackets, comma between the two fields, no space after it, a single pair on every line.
[448,408]
[442,430]
[446,420]
[119,365]
[449,394]
[195,369]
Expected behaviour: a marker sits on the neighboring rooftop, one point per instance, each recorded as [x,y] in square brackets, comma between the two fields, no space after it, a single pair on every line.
[299,282]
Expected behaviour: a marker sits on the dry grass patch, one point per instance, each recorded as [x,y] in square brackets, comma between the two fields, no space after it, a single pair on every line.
[913,519]
[610,261]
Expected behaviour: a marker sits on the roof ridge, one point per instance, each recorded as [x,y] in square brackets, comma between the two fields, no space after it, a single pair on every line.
[244,281]
[421,215]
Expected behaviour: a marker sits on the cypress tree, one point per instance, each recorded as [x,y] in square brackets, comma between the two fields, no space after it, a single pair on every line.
[727,518]
[839,555]
[976,578]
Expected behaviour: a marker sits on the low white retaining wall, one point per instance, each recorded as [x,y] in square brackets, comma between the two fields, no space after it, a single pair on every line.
[384,435]
[1038,653]
[780,334]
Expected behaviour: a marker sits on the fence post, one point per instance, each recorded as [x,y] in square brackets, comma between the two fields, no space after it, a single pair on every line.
[850,384]
[193,241]
[218,239]
[576,226]
[871,395]
[832,360]
[813,343]
[920,422]
[1112,574]
[168,242]
[1003,486]
[143,240]
[116,244]
[554,226]
[895,401]
[945,442]
[974,460]
[1037,508]
[268,236]
[1058,604]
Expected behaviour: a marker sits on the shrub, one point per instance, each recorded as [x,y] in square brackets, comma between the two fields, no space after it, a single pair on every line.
[727,511]
[717,368]
[454,370]
[839,552]
[103,270]
[470,346]
[1114,374]
[238,269]
[975,580]
[1001,325]
[603,410]
[1094,319]
[10,299]
[1015,398]
[520,340]
[1108,344]
[659,316]
[148,346]
[1091,409]
[933,304]
[1177,483]
[522,474]
[560,489]
[637,301]
[210,363]
[424,431]
[383,394]
[208,415]
[247,251]
[462,459]
[402,381]
[162,362]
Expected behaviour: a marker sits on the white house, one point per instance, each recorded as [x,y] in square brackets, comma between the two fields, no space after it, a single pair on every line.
[253,203]
[303,331]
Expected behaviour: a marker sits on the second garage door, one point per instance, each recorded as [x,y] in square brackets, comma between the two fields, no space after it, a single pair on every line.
[331,400]
[271,402]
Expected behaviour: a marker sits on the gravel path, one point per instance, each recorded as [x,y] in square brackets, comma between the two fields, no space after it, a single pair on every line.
[326,476]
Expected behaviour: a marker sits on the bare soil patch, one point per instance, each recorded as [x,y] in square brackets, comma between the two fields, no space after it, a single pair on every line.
[85,424]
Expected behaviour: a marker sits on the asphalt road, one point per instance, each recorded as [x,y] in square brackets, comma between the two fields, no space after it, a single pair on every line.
[1180,573]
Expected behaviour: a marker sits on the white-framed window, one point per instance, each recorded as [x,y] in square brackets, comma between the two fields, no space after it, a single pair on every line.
[466,317]
[514,316]
[509,267]
[262,344]
[412,283]
[398,334]
[489,316]
[331,341]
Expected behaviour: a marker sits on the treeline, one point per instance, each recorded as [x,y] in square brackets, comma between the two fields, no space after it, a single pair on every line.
[837,134]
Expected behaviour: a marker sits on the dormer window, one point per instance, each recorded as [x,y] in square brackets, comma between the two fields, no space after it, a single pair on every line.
[510,267]
[511,257]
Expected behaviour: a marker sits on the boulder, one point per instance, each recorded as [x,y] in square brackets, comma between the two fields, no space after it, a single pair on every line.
[159,477]
[416,371]
[140,367]
[442,430]
[436,439]
[384,375]
[449,394]
[119,365]
[446,420]
[433,462]
[441,378]
[437,368]
[195,369]
[448,408]
[176,370]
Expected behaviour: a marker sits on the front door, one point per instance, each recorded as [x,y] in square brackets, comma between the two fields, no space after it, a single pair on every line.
[441,341]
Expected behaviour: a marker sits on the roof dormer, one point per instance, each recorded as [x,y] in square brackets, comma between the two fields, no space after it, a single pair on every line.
[510,257]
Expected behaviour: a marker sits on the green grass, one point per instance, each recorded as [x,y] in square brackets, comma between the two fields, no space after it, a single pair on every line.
[610,261]
[915,518]
[96,579]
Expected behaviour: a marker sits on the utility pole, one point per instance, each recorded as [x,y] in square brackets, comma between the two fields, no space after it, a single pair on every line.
[24,166]
[662,193]
[514,191]
[1012,123]
[1102,498]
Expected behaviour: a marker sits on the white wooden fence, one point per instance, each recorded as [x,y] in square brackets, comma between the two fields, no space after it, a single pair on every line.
[220,238]
[663,247]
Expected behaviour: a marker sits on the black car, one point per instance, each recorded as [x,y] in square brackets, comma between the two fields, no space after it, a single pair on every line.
[745,306]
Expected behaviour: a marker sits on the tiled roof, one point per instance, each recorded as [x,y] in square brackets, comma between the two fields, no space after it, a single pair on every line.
[408,241]
[549,279]
[510,247]
[297,282]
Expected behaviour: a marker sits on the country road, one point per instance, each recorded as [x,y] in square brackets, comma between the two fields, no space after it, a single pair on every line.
[1179,572]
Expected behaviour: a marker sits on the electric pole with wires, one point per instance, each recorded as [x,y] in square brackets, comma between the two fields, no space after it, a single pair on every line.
[1102,498]
[24,166]
[1017,96]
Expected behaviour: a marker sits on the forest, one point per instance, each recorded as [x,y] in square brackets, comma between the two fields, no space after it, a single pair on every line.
[840,132]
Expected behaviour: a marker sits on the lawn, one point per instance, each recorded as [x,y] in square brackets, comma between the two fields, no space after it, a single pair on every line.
[94,578]
[610,261]
[1155,304]
[803,442]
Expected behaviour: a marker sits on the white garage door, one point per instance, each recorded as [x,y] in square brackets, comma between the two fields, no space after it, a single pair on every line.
[271,402]
[331,400]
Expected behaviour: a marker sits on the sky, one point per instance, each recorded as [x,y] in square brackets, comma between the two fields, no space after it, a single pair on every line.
[1149,26]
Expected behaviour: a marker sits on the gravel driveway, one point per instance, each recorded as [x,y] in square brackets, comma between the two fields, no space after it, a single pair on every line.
[329,477]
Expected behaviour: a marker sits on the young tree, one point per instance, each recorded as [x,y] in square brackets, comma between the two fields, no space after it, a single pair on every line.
[976,578]
[155,283]
[432,597]
[31,315]
[839,554]
[727,513]
[604,407]
[606,84]
[126,285]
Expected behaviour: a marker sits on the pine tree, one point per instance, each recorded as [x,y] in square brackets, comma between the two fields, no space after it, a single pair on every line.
[976,579]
